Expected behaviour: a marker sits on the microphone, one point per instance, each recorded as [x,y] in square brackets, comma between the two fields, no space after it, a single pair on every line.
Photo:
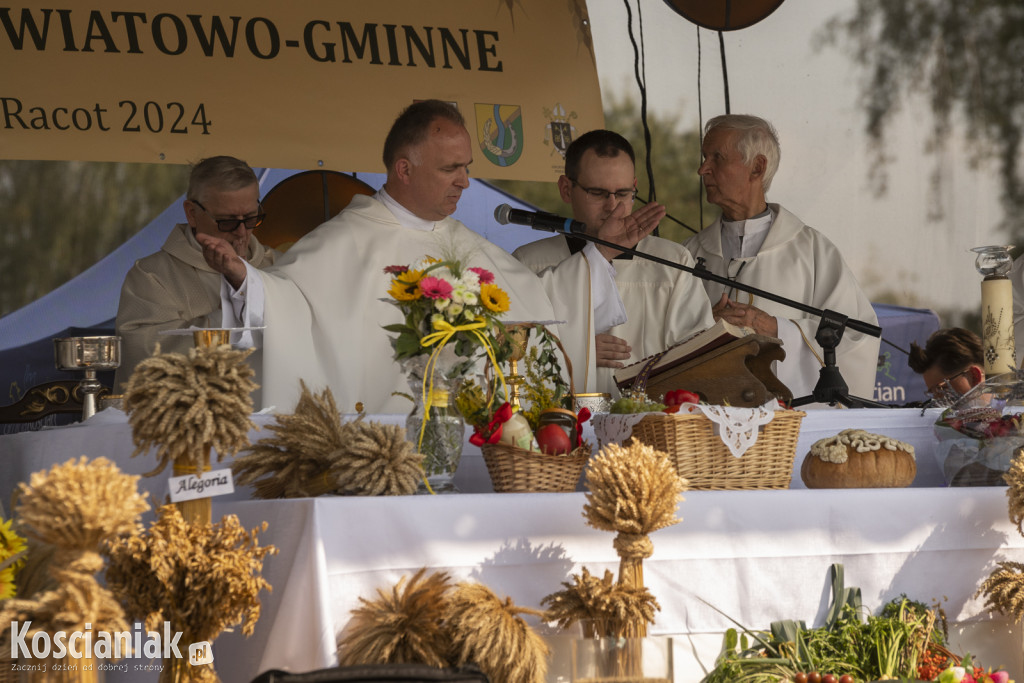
[537,220]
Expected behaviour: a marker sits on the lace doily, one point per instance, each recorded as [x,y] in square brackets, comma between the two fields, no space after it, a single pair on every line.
[614,427]
[737,427]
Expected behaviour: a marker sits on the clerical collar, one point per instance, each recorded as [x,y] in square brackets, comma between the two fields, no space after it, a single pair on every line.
[403,215]
[743,239]
[748,225]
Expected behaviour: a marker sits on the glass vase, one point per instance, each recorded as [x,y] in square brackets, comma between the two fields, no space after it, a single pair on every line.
[622,660]
[440,436]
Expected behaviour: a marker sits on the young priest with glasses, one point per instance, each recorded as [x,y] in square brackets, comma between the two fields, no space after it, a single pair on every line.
[664,305]
[175,288]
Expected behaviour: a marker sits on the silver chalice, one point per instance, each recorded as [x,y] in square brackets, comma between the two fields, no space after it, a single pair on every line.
[88,354]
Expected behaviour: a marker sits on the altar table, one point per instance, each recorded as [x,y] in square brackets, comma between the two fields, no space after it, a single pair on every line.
[757,556]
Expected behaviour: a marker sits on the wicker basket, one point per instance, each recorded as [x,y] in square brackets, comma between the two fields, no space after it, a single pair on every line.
[517,470]
[701,457]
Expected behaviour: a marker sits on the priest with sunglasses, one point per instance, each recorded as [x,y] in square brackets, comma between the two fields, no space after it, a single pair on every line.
[175,288]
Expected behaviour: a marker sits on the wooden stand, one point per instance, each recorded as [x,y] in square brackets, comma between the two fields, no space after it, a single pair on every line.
[737,374]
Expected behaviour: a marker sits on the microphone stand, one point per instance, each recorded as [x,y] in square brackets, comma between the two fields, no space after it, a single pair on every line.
[831,388]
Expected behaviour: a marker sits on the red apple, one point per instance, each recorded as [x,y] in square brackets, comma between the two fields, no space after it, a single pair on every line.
[553,440]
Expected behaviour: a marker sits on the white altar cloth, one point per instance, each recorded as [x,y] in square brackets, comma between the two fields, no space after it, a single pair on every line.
[758,556]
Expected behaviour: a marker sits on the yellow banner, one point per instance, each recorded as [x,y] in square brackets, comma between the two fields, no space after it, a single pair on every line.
[303,84]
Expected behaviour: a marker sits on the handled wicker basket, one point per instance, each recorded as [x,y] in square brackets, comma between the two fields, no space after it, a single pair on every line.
[702,459]
[517,470]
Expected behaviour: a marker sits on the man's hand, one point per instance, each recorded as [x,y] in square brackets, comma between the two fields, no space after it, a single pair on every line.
[611,350]
[745,315]
[221,256]
[626,230]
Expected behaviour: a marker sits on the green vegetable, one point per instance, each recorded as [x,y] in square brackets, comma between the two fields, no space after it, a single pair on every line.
[870,648]
[626,405]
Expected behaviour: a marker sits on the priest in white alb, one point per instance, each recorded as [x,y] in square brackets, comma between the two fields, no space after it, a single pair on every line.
[664,305]
[765,246]
[323,304]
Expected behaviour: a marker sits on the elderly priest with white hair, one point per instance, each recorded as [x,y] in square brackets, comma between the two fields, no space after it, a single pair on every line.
[765,246]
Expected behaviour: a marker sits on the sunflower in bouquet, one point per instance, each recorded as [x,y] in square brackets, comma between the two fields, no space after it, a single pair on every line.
[12,557]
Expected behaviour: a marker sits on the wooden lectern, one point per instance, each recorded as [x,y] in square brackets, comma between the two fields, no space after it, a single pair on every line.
[738,373]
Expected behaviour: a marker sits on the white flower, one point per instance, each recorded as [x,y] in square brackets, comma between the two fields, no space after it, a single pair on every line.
[468,294]
[420,265]
[462,294]
[453,311]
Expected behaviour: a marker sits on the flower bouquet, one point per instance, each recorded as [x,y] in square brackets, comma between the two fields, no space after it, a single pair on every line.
[980,434]
[444,303]
[451,321]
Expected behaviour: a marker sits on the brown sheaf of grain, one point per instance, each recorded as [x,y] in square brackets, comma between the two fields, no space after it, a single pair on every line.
[74,509]
[202,579]
[180,404]
[313,452]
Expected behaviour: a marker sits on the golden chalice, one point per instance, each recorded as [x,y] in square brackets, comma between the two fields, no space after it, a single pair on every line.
[211,337]
[518,335]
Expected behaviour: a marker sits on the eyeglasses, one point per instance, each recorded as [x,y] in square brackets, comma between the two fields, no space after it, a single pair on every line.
[598,194]
[231,224]
[943,392]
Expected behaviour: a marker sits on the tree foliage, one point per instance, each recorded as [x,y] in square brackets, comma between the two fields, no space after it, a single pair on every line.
[965,57]
[675,155]
[60,217]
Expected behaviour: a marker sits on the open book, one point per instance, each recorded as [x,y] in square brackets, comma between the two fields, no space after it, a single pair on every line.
[692,347]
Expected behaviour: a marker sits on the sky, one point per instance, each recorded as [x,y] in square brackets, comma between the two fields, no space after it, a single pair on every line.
[893,243]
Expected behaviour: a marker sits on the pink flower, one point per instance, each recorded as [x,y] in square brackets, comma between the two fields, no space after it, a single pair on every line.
[435,288]
[999,677]
[395,270]
[486,276]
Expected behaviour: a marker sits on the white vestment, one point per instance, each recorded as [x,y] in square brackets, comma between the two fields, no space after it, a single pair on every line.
[326,305]
[664,305]
[799,263]
[170,290]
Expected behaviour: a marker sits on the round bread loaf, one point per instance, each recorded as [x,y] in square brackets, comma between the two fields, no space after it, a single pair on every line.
[855,459]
